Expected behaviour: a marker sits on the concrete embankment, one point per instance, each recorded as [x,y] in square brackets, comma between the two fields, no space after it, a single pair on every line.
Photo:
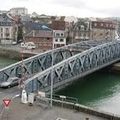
[14,54]
[116,67]
[88,110]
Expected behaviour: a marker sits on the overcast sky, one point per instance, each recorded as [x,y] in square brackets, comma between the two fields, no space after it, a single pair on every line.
[79,8]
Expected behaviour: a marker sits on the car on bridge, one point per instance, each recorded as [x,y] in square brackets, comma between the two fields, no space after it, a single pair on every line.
[12,81]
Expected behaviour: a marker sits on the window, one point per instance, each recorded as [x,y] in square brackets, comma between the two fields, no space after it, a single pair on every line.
[106,25]
[62,34]
[1,29]
[7,34]
[57,34]
[101,24]
[82,27]
[1,35]
[56,40]
[61,40]
[84,34]
[7,30]
[95,24]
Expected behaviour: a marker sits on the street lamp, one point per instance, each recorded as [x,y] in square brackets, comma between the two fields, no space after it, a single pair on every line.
[51,94]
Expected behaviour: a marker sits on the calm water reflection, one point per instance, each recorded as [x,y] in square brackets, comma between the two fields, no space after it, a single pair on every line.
[5,62]
[100,90]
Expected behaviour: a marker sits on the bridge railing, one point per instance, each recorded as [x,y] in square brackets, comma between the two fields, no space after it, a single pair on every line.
[35,63]
[43,61]
[75,67]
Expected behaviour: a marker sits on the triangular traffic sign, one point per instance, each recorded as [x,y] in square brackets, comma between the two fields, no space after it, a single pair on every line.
[6,102]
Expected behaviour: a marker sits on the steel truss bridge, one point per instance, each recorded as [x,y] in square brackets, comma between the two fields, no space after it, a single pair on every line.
[69,63]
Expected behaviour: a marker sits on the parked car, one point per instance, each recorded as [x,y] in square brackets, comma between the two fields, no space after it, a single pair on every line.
[14,43]
[28,45]
[31,45]
[23,45]
[12,81]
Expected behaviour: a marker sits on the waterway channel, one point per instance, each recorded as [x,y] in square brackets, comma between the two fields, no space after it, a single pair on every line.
[100,90]
[6,61]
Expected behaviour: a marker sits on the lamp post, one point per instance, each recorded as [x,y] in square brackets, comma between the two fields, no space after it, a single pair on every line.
[51,94]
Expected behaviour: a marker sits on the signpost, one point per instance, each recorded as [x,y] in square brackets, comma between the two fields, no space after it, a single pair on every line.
[6,102]
[5,112]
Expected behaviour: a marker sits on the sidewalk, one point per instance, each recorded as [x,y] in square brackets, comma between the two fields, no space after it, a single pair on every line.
[19,111]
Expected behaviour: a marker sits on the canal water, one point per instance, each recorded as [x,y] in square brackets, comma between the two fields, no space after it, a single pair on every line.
[6,61]
[100,90]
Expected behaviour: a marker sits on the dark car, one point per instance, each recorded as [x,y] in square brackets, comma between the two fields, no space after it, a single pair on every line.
[12,81]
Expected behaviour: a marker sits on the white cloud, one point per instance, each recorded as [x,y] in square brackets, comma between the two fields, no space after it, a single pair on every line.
[100,8]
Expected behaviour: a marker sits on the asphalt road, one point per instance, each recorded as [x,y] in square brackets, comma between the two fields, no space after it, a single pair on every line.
[8,93]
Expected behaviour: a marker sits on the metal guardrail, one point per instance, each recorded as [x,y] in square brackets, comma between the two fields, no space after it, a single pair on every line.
[63,98]
[63,101]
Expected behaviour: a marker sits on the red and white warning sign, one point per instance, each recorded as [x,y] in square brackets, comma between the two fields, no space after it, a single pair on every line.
[6,102]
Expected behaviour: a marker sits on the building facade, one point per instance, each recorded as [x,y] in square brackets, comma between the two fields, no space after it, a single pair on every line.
[7,29]
[59,33]
[41,35]
[93,30]
[19,11]
[103,30]
[81,30]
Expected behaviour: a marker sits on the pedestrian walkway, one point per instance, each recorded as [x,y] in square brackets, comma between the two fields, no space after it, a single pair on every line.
[19,111]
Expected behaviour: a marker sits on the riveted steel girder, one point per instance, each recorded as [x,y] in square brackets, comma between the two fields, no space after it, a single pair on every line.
[76,66]
[43,61]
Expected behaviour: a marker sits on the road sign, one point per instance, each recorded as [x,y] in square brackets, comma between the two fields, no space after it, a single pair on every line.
[6,102]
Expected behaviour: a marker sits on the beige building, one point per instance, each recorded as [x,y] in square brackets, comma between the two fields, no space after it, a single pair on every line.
[7,30]
[101,30]
[93,30]
[19,11]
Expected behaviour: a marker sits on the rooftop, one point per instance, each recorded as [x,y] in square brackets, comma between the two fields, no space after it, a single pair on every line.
[36,26]
[5,20]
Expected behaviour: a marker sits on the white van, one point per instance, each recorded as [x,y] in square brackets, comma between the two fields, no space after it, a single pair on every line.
[28,45]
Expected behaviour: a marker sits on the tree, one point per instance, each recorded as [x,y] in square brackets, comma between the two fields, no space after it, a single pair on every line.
[20,33]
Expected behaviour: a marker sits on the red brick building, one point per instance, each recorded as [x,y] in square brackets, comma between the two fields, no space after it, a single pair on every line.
[42,36]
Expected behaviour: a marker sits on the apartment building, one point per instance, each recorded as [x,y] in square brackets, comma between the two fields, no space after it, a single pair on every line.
[101,30]
[19,11]
[59,36]
[93,30]
[7,29]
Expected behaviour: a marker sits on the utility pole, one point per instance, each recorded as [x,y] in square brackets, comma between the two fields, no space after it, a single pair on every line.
[51,95]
